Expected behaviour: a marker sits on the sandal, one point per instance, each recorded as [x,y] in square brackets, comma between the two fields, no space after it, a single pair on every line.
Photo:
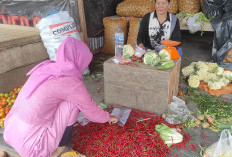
[70,152]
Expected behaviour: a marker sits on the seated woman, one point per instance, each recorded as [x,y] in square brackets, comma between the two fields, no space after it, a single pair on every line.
[40,122]
[157,26]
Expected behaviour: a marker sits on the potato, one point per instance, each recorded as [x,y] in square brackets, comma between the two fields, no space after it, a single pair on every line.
[200,117]
[197,122]
[205,125]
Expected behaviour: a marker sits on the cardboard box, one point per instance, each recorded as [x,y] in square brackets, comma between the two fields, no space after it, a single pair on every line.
[140,86]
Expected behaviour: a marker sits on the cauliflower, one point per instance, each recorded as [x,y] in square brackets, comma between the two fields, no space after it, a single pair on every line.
[202,65]
[227,75]
[151,58]
[211,66]
[186,71]
[224,81]
[193,63]
[215,84]
[194,81]
[202,74]
[164,55]
[218,70]
[210,76]
[128,51]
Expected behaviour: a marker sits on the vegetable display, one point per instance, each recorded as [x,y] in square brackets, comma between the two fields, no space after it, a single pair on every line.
[6,102]
[210,73]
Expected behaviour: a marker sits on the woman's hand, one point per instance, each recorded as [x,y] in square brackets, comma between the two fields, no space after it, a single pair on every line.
[113,120]
[142,46]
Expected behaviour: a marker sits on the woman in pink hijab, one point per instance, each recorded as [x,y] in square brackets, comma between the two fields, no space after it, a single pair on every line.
[40,122]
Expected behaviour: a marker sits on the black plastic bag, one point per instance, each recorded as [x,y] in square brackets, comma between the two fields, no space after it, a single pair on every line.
[213,8]
[95,11]
[223,34]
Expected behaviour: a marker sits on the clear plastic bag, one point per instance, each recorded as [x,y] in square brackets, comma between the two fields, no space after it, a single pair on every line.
[122,114]
[193,25]
[139,52]
[82,120]
[178,112]
[222,148]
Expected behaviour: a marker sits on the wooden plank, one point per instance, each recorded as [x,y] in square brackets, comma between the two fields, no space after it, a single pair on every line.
[82,21]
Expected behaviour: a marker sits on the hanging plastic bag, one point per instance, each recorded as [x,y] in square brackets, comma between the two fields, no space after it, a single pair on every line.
[222,148]
[178,112]
[193,25]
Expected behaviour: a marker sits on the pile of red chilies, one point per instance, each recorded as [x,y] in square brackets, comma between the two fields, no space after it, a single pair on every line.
[137,138]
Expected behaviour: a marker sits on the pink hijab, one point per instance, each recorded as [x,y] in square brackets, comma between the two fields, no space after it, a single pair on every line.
[72,58]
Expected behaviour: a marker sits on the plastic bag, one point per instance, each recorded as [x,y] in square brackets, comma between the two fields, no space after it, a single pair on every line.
[54,29]
[193,25]
[82,120]
[139,52]
[122,114]
[222,148]
[178,112]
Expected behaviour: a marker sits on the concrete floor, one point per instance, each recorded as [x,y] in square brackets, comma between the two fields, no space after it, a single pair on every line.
[195,48]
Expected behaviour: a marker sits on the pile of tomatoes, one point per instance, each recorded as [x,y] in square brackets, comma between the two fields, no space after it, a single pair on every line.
[6,102]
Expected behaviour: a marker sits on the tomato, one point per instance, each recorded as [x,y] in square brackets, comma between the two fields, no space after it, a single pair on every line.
[6,95]
[180,93]
[4,103]
[7,110]
[13,96]
[4,99]
[2,114]
[10,103]
[19,89]
[2,122]
[15,89]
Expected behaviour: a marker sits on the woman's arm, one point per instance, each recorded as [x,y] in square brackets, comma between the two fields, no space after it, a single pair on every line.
[176,32]
[73,90]
[143,31]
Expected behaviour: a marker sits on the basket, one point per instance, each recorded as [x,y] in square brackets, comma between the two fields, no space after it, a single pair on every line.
[133,31]
[110,27]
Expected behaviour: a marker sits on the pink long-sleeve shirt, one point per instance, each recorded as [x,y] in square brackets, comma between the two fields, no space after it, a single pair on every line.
[39,110]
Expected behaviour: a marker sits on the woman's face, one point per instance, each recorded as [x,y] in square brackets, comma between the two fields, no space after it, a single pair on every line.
[162,7]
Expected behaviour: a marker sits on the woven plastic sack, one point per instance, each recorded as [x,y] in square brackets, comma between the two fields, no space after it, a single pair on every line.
[54,29]
[173,7]
[134,8]
[133,31]
[189,6]
[110,27]
[222,148]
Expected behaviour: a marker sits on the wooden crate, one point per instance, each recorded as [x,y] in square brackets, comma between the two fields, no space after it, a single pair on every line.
[142,87]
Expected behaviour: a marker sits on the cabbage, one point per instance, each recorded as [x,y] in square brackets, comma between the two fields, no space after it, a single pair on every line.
[169,135]
[128,51]
[151,58]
